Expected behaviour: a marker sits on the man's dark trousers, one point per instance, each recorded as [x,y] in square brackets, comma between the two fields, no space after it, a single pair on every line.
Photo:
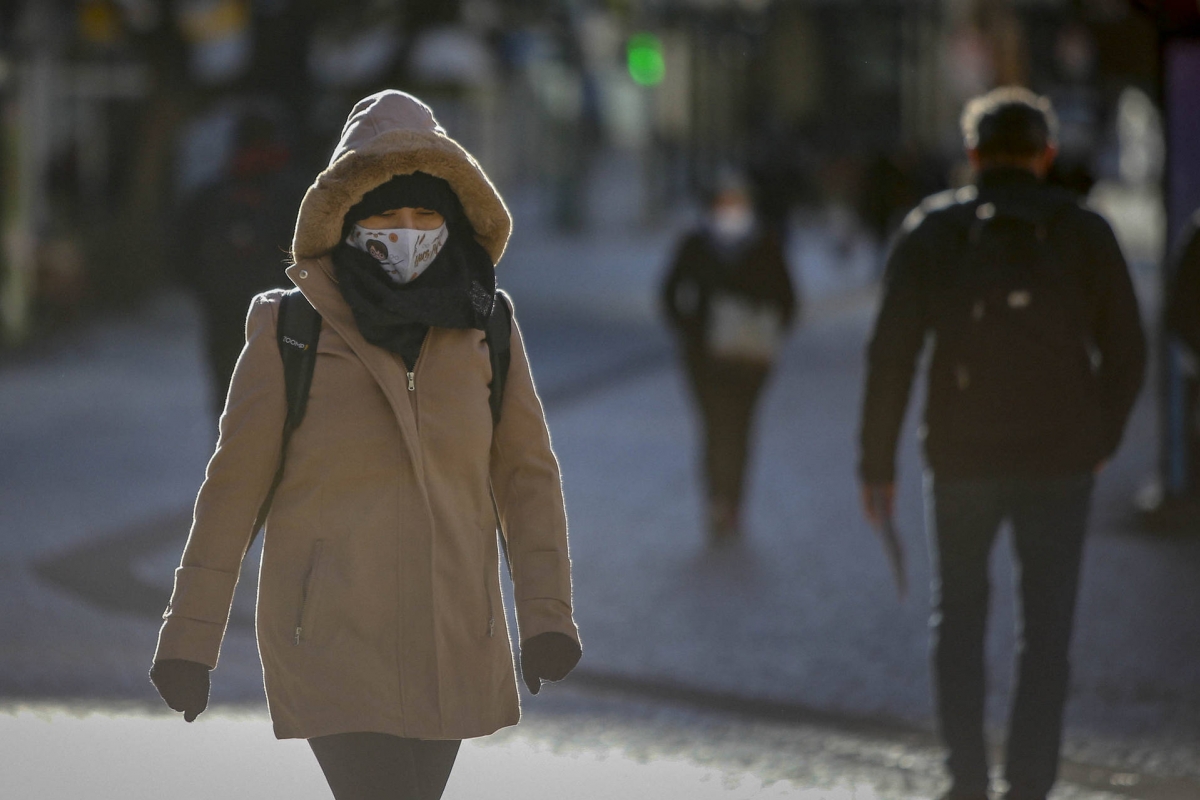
[1048,516]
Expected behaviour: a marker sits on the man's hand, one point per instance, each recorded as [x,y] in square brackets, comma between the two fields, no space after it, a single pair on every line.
[878,500]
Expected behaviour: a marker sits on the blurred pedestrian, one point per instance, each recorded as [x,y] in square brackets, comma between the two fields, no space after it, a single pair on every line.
[730,299]
[1038,354]
[380,621]
[1183,320]
[234,236]
[1183,305]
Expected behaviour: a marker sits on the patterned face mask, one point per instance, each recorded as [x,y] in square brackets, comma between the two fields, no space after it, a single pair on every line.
[404,253]
[732,224]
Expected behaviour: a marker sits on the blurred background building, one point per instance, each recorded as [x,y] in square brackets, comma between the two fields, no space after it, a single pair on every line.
[591,114]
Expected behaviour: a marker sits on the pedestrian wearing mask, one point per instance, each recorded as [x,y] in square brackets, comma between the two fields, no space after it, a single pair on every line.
[730,299]
[1038,354]
[379,621]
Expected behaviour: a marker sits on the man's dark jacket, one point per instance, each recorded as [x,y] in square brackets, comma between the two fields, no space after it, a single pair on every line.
[755,271]
[923,287]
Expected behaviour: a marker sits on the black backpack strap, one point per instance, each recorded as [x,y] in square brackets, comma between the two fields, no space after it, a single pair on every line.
[498,336]
[297,332]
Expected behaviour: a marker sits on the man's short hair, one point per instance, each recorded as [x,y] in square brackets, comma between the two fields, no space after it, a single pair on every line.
[1010,121]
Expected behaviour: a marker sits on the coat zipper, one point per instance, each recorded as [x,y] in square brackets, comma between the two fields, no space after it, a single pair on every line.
[412,373]
[310,585]
[487,591]
[497,530]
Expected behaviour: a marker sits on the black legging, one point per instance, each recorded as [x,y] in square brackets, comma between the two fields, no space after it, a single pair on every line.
[379,766]
[727,393]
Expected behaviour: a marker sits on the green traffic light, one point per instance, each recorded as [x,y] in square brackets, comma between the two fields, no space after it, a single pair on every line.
[645,58]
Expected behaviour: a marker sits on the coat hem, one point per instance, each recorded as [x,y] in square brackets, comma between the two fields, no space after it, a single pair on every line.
[398,729]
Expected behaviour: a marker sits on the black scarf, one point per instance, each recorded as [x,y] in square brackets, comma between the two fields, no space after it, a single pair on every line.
[457,290]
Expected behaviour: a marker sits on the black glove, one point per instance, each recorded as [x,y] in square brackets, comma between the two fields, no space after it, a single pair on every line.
[183,684]
[548,656]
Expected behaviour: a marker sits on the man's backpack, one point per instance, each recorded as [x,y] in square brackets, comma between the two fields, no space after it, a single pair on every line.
[1015,336]
[297,332]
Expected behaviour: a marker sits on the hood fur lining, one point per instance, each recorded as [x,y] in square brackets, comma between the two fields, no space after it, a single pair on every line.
[399,152]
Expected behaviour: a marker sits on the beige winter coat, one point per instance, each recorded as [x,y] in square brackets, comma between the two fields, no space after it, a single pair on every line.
[379,605]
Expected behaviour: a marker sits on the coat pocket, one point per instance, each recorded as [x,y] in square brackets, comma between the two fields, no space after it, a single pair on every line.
[487,583]
[306,614]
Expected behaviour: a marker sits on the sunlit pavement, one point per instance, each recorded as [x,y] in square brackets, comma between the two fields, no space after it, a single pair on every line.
[55,754]
[585,746]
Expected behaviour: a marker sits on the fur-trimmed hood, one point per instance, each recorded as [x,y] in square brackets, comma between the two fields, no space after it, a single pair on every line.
[393,133]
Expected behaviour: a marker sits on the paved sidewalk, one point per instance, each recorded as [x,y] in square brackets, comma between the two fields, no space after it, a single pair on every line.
[232,754]
[105,436]
[578,744]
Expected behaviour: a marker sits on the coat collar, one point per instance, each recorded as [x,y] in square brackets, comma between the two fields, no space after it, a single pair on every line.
[1007,176]
[314,278]
[1019,193]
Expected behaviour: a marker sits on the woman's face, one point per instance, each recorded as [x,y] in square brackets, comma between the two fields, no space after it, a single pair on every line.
[418,219]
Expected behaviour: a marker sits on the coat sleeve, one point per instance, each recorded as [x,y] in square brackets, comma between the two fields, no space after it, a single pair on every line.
[679,275]
[528,490]
[238,477]
[1118,335]
[896,342]
[782,288]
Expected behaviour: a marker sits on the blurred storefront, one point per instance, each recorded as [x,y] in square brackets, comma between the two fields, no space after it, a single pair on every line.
[1172,504]
[857,101]
[116,110]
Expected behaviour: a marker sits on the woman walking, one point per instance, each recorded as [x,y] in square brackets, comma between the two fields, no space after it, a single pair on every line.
[380,622]
[729,297]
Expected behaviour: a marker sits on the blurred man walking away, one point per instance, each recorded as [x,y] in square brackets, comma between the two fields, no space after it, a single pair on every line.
[1038,353]
[729,297]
